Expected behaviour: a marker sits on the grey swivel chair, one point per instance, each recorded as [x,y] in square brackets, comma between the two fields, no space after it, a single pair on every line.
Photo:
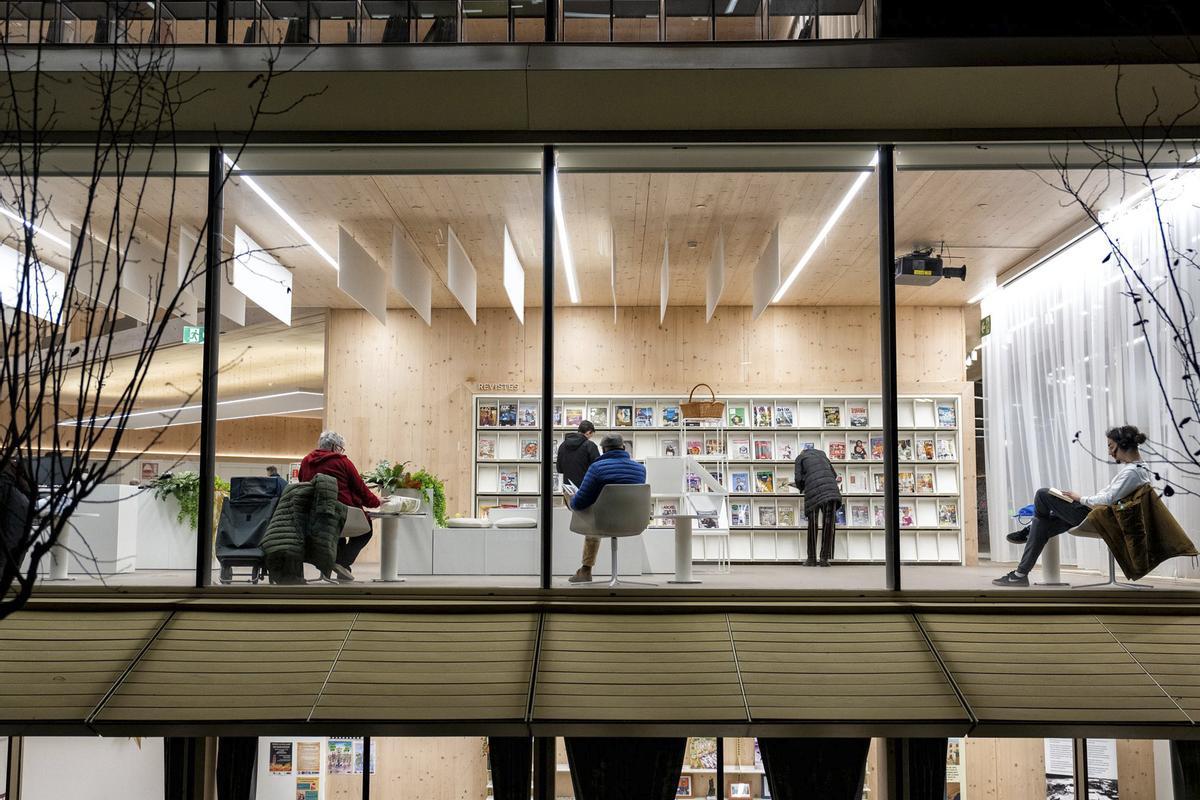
[621,510]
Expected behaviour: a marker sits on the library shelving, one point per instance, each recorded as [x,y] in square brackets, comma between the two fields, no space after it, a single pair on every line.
[751,452]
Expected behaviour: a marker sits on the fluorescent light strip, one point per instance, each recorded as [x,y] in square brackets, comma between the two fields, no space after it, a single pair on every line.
[855,188]
[58,240]
[565,242]
[195,406]
[278,209]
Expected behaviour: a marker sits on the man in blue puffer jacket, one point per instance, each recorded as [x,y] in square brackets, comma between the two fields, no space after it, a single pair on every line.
[613,466]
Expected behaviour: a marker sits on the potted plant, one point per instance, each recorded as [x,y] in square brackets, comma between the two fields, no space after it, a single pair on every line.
[396,479]
[185,488]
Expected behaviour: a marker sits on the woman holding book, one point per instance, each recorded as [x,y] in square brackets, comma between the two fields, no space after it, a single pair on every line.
[1056,512]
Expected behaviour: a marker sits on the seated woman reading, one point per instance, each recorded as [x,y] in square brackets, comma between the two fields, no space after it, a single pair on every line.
[1055,513]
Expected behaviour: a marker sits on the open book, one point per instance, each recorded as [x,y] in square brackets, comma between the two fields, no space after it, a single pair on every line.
[1059,493]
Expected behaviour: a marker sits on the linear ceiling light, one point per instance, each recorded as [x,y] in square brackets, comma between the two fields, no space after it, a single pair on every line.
[15,217]
[565,242]
[294,402]
[855,188]
[278,209]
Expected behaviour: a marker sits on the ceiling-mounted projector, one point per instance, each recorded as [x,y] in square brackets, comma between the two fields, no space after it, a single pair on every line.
[922,268]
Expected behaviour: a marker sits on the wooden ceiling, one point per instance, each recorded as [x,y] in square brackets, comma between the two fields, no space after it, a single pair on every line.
[989,220]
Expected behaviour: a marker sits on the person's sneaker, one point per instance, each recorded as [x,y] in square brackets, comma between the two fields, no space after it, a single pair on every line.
[1018,537]
[1011,579]
[824,562]
[343,573]
[582,575]
[811,562]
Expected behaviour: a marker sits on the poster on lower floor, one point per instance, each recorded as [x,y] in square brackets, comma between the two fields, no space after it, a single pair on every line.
[358,756]
[308,788]
[1060,769]
[281,758]
[954,769]
[340,757]
[308,758]
[1102,769]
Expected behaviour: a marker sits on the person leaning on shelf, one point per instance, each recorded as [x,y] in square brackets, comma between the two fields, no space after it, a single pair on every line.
[329,458]
[817,481]
[1056,512]
[614,466]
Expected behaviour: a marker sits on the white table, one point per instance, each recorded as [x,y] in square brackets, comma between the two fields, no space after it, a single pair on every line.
[390,532]
[683,546]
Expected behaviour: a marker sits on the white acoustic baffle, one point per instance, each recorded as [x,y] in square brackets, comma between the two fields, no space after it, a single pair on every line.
[98,277]
[410,275]
[261,278]
[766,275]
[514,277]
[360,277]
[189,267]
[664,280]
[461,274]
[716,277]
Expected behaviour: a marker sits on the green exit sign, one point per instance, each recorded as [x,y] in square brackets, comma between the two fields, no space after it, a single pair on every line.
[985,326]
[193,334]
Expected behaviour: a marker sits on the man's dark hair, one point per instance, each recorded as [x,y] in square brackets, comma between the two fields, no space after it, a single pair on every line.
[587,427]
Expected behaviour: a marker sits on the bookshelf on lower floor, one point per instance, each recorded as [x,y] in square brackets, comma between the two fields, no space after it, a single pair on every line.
[752,455]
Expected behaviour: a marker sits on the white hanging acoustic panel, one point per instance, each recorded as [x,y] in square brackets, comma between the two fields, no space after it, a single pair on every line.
[360,277]
[43,291]
[766,274]
[97,277]
[233,302]
[612,269]
[411,277]
[514,277]
[664,280]
[260,278]
[188,275]
[460,274]
[716,277]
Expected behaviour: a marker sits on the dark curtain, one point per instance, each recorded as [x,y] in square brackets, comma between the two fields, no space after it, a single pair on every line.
[510,759]
[1185,769]
[236,756]
[816,769]
[625,768]
[925,770]
[183,768]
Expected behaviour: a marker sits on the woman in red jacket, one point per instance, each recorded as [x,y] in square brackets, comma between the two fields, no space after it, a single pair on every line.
[330,459]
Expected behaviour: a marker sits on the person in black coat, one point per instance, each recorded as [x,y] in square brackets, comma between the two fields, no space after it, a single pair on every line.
[576,453]
[817,481]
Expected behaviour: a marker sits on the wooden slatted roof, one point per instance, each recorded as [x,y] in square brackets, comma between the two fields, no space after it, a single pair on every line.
[263,668]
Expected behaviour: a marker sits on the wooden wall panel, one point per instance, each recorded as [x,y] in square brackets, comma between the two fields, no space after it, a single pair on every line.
[1135,769]
[278,439]
[404,391]
[1004,769]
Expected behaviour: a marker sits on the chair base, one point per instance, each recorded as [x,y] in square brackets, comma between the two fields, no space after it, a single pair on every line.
[1112,579]
[616,583]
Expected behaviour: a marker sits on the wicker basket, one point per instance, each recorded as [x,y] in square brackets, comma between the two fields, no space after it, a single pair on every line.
[703,409]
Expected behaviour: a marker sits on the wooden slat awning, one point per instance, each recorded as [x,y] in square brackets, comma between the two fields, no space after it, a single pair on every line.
[263,668]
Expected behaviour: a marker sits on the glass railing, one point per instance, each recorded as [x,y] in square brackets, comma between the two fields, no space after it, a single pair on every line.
[310,22]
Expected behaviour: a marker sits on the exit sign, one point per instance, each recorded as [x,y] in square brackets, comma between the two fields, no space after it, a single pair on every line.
[985,326]
[193,334]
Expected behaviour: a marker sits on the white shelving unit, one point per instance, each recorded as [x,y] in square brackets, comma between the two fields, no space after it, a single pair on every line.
[755,450]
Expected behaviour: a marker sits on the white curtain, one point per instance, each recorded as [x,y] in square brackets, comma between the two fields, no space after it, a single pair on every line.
[1065,355]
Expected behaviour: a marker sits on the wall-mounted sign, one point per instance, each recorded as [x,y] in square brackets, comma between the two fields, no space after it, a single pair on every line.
[193,334]
[985,326]
[498,387]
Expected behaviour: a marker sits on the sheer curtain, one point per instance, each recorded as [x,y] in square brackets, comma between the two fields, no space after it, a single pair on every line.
[1065,355]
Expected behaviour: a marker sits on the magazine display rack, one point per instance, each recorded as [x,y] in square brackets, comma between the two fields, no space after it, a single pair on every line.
[752,452]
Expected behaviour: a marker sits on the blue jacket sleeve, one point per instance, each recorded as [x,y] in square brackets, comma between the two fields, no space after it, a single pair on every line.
[589,492]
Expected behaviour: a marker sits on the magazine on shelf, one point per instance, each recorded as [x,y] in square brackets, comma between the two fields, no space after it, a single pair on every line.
[643,416]
[860,516]
[856,480]
[839,517]
[877,448]
[876,515]
[833,416]
[573,415]
[670,448]
[508,415]
[488,415]
[667,508]
[739,447]
[694,447]
[764,481]
[908,517]
[907,482]
[904,448]
[787,451]
[702,752]
[766,516]
[718,476]
[945,449]
[808,445]
[739,481]
[558,414]
[948,513]
[786,514]
[763,416]
[693,482]
[527,416]
[858,450]
[712,447]
[925,482]
[623,416]
[670,416]
[763,450]
[739,514]
[736,416]
[925,450]
[487,449]
[508,481]
[530,450]
[858,417]
[837,451]
[946,415]
[598,416]
[785,416]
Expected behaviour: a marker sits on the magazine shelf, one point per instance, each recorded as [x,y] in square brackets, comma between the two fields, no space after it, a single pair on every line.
[767,514]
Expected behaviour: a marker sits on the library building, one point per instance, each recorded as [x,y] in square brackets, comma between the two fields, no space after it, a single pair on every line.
[450,401]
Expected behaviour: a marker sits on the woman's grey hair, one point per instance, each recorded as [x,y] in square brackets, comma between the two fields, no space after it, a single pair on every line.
[330,440]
